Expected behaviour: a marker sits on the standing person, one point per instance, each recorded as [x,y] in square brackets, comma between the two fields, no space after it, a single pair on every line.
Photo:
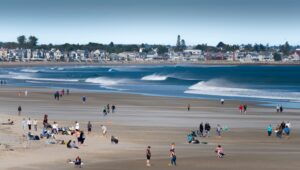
[35,124]
[241,108]
[83,99]
[76,125]
[148,156]
[104,130]
[220,152]
[281,108]
[29,124]
[172,155]
[219,130]
[104,111]
[222,101]
[245,109]
[68,92]
[188,107]
[89,127]
[277,108]
[201,129]
[113,108]
[270,130]
[19,110]
[24,123]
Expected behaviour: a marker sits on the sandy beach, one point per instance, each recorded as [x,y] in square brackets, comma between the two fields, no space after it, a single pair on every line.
[140,121]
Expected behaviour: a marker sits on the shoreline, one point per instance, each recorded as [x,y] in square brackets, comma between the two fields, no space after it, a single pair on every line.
[108,63]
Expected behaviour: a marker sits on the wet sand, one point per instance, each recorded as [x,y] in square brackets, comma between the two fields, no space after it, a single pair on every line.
[141,121]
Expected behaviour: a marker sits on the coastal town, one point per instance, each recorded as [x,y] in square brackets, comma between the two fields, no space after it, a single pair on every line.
[98,53]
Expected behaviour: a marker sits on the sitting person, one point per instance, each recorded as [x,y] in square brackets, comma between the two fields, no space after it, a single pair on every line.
[219,151]
[32,137]
[191,139]
[9,122]
[71,145]
[114,140]
[77,162]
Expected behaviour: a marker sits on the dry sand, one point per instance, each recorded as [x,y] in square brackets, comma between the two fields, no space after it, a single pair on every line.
[141,121]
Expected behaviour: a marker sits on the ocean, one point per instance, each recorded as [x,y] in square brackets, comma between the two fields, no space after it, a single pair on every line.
[271,84]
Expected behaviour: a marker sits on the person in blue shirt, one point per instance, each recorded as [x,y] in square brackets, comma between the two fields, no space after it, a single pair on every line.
[269,129]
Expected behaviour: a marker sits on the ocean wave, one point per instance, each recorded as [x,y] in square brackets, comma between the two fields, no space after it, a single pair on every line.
[155,77]
[27,77]
[104,81]
[220,87]
[30,71]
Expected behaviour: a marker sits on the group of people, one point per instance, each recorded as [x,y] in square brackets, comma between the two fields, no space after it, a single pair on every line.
[279,108]
[106,109]
[3,82]
[284,128]
[27,124]
[61,93]
[243,108]
[204,130]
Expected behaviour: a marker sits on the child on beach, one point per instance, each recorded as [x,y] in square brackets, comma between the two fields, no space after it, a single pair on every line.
[104,130]
[269,129]
[172,155]
[219,130]
[83,99]
[219,151]
[148,156]
[241,108]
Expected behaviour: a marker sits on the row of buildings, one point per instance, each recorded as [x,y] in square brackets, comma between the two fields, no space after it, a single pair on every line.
[25,55]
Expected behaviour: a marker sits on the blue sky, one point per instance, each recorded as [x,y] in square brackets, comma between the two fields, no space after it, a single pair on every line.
[152,21]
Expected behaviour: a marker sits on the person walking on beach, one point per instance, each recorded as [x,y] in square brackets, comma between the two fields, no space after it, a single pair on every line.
[19,110]
[245,108]
[219,130]
[281,108]
[148,156]
[188,107]
[172,155]
[222,101]
[201,129]
[104,111]
[113,108]
[29,124]
[107,108]
[277,108]
[68,92]
[76,125]
[83,99]
[270,130]
[35,124]
[241,108]
[207,129]
[89,127]
[104,130]
[220,152]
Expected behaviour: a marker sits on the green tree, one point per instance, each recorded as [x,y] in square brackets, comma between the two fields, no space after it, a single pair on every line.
[285,49]
[182,45]
[178,45]
[32,41]
[161,49]
[277,57]
[21,40]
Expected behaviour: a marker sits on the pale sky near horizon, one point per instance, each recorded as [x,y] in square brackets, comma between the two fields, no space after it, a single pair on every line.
[152,21]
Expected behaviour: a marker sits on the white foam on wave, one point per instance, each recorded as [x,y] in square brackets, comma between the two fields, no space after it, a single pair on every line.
[219,87]
[30,71]
[28,77]
[155,77]
[105,82]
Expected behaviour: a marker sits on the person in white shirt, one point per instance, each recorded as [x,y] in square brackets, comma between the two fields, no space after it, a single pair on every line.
[55,128]
[35,124]
[29,124]
[288,124]
[104,130]
[77,126]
